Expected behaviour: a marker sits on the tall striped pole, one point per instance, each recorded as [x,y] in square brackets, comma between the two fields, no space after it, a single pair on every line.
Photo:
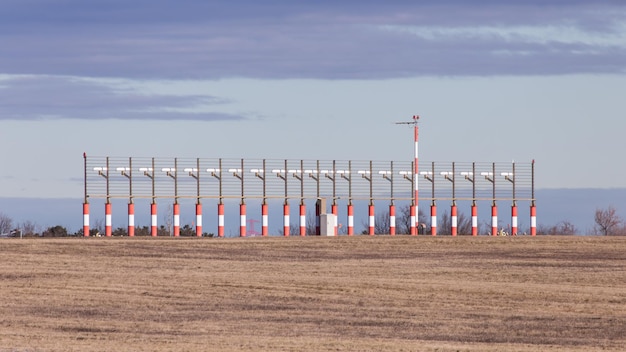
[286,219]
[533,220]
[149,172]
[153,219]
[333,210]
[198,219]
[413,221]
[372,224]
[474,219]
[220,219]
[471,176]
[350,219]
[302,219]
[415,169]
[494,219]
[392,220]
[242,220]
[533,209]
[86,219]
[514,219]
[433,219]
[107,220]
[176,219]
[131,219]
[416,165]
[264,219]
[453,215]
[86,202]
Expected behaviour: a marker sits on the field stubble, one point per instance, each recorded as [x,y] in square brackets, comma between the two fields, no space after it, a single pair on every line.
[293,294]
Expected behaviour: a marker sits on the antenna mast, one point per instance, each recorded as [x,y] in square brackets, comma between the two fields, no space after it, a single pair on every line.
[415,166]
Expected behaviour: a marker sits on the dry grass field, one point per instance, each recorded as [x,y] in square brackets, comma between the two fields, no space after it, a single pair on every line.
[314,294]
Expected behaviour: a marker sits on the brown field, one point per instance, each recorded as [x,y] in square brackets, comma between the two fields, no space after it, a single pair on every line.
[314,294]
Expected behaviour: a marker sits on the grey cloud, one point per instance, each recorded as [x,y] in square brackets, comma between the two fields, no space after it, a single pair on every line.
[46,97]
[287,39]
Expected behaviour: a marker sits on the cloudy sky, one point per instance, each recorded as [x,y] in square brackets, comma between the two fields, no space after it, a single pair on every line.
[491,80]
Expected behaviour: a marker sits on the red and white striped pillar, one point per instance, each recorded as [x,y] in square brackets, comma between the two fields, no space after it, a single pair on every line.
[131,219]
[372,224]
[514,220]
[286,219]
[413,221]
[153,220]
[350,219]
[220,220]
[176,219]
[533,220]
[302,219]
[264,219]
[494,220]
[86,219]
[392,220]
[453,220]
[107,220]
[198,219]
[433,219]
[333,210]
[416,173]
[242,220]
[474,220]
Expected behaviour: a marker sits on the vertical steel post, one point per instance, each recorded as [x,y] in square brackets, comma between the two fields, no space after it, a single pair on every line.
[494,206]
[533,208]
[107,207]
[474,206]
[86,200]
[198,201]
[286,220]
[433,205]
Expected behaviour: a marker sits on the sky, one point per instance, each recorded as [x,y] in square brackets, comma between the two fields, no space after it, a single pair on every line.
[491,81]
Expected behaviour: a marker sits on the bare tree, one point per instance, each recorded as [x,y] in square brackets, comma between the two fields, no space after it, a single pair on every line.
[168,220]
[311,227]
[98,228]
[6,223]
[29,228]
[562,228]
[607,221]
[403,222]
[382,223]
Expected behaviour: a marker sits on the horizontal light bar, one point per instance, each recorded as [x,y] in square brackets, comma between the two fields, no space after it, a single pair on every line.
[486,174]
[278,171]
[123,169]
[257,171]
[191,169]
[364,172]
[426,172]
[466,173]
[168,169]
[506,174]
[98,168]
[234,170]
[213,170]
